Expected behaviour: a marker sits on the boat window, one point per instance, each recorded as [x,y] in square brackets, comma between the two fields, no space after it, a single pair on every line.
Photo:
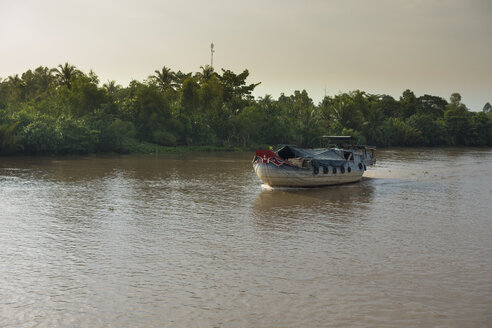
[286,153]
[348,156]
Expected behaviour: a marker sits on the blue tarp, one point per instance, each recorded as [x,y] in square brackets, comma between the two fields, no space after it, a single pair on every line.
[319,157]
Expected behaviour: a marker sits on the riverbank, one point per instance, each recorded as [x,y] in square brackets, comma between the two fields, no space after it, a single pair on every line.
[151,148]
[145,148]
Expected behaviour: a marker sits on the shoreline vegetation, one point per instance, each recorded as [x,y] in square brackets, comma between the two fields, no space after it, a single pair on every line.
[48,111]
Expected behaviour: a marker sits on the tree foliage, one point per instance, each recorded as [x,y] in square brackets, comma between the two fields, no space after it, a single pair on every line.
[63,110]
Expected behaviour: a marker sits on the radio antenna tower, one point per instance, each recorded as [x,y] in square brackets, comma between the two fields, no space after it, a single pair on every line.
[212,55]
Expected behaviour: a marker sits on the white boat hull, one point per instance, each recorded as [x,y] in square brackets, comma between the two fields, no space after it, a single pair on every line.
[288,176]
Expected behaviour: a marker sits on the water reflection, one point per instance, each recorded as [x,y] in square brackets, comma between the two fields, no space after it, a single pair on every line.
[193,240]
[285,207]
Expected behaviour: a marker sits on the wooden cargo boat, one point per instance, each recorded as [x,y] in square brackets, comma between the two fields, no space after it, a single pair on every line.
[291,166]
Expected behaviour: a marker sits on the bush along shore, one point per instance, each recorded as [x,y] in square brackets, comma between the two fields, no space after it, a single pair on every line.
[66,111]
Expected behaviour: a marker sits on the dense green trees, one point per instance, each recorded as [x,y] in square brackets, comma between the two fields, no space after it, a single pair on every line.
[63,110]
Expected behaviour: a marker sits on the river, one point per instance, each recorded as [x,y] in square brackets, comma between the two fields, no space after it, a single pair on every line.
[196,240]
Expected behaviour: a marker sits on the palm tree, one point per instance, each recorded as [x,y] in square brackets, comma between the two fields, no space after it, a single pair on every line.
[372,127]
[206,73]
[179,78]
[17,87]
[44,76]
[15,80]
[111,88]
[65,74]
[266,101]
[164,78]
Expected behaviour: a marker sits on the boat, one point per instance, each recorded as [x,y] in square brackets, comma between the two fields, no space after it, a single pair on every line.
[342,161]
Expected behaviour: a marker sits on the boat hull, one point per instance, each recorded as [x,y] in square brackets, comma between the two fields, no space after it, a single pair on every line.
[289,176]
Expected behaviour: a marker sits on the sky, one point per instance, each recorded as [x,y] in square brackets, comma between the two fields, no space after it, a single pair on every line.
[432,47]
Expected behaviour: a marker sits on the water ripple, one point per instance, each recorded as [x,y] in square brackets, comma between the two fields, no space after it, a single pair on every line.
[195,240]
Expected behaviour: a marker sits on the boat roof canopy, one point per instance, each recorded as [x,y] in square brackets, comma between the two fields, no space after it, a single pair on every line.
[323,156]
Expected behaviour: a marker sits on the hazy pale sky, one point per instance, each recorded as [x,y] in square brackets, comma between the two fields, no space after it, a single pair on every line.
[382,46]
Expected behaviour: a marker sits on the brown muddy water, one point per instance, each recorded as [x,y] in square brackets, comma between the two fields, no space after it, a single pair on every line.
[196,241]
